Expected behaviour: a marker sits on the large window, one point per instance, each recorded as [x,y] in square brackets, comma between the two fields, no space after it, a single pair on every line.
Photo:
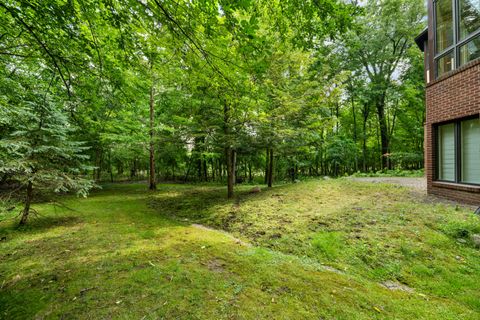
[457,33]
[458,152]
[471,151]
[444,26]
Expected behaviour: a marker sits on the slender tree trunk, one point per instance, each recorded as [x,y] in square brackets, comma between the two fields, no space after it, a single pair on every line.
[355,137]
[250,177]
[205,170]
[98,161]
[337,116]
[220,170]
[28,201]
[110,165]
[384,138]
[229,152]
[212,163]
[270,168]
[230,155]
[234,165]
[364,146]
[365,114]
[267,153]
[153,183]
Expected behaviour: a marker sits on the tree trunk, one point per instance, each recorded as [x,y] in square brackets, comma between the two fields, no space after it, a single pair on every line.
[267,152]
[205,170]
[28,201]
[230,155]
[364,146]
[212,163]
[365,114]
[153,183]
[270,169]
[229,152]
[250,177]
[384,139]
[355,137]
[98,160]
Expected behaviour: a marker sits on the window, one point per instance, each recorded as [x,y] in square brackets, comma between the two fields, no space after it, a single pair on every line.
[457,33]
[446,152]
[470,51]
[445,63]
[469,17]
[444,27]
[471,151]
[458,152]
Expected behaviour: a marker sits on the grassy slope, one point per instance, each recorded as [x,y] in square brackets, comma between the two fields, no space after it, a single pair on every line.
[125,253]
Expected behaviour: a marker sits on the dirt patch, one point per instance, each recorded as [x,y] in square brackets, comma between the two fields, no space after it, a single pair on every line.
[392,285]
[332,269]
[216,265]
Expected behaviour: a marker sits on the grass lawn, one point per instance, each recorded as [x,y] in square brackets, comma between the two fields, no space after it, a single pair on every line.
[313,250]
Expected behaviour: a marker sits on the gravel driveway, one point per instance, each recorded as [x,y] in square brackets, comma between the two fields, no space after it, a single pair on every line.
[418,184]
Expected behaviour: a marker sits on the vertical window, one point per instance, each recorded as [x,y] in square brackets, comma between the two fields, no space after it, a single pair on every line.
[470,51]
[470,151]
[446,152]
[446,63]
[444,25]
[457,34]
[469,21]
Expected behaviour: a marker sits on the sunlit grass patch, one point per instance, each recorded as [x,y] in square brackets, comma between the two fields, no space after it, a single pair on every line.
[320,249]
[329,244]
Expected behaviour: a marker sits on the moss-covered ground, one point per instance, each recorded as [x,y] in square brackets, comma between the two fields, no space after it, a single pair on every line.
[313,250]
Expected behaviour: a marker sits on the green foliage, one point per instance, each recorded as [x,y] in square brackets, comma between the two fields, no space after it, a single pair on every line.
[341,152]
[292,76]
[40,150]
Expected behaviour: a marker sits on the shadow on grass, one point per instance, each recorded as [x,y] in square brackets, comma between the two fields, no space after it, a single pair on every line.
[197,203]
[39,224]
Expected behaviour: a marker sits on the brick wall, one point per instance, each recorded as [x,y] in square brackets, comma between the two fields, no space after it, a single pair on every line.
[453,96]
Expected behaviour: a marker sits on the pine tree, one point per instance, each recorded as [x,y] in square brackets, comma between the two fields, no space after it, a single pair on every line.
[40,155]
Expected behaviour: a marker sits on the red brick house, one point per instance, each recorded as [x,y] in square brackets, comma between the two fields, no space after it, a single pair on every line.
[452,72]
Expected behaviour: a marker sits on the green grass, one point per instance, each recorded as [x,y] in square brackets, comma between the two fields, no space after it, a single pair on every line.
[313,250]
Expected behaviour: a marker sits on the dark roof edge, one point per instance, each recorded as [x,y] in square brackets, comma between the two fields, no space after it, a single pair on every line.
[421,38]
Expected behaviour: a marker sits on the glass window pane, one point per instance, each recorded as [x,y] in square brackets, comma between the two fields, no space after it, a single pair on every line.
[470,51]
[469,17]
[446,152]
[471,151]
[445,63]
[444,27]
